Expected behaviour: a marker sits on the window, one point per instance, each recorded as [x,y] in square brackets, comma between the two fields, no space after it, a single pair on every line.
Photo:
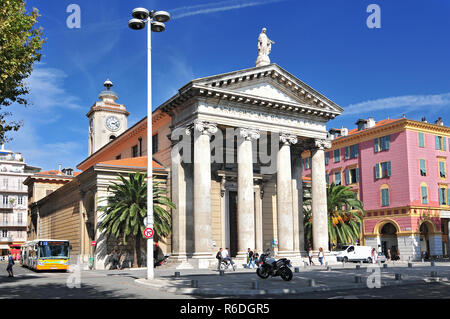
[118,157]
[423,167]
[424,193]
[4,233]
[20,200]
[337,178]
[351,151]
[19,218]
[5,199]
[443,195]
[382,170]
[5,183]
[155,144]
[384,195]
[352,176]
[327,178]
[382,143]
[337,156]
[421,138]
[134,151]
[441,144]
[308,163]
[442,170]
[140,146]
[327,158]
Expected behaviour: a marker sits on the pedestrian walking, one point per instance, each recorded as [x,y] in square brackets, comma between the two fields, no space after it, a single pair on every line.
[374,256]
[389,256]
[219,257]
[115,259]
[321,256]
[250,260]
[310,256]
[256,259]
[9,268]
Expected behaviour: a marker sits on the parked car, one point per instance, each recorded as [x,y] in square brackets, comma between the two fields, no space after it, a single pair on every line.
[355,254]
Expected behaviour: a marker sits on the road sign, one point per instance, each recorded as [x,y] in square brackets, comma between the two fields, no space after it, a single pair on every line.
[148,232]
[93,243]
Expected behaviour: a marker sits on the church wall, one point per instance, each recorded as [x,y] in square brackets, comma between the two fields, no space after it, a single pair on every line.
[269,207]
[216,220]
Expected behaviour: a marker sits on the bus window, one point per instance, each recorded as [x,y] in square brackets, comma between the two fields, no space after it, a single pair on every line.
[53,250]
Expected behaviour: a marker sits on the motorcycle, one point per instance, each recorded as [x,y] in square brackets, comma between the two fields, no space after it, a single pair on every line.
[270,267]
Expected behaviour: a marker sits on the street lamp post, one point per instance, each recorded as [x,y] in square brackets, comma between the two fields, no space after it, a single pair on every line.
[155,22]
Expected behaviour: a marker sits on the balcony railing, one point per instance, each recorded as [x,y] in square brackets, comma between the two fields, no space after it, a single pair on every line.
[13,223]
[5,239]
[9,205]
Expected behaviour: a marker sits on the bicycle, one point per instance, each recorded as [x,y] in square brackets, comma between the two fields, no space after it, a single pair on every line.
[225,264]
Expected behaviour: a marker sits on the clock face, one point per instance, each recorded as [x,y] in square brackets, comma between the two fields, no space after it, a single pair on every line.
[112,123]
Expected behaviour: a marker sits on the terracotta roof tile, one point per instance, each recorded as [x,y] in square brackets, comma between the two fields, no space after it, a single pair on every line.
[378,124]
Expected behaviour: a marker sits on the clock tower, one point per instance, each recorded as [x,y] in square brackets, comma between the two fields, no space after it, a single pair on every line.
[107,119]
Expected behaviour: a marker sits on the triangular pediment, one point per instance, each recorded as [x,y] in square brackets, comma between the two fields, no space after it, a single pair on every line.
[271,83]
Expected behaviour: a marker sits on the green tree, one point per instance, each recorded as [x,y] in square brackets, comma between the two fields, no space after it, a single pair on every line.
[20,45]
[123,216]
[345,215]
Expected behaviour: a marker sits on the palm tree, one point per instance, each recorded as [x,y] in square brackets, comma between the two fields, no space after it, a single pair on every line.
[345,215]
[123,216]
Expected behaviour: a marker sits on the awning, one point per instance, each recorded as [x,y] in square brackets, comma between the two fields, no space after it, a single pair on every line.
[4,247]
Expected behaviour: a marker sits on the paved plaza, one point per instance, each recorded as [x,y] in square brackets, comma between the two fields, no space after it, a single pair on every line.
[336,282]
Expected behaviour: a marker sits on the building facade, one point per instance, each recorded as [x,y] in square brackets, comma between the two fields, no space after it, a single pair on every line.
[399,169]
[14,201]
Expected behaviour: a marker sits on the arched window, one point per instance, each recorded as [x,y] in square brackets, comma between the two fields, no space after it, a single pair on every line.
[424,193]
[384,193]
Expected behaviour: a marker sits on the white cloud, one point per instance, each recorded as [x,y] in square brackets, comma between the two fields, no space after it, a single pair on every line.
[216,7]
[407,102]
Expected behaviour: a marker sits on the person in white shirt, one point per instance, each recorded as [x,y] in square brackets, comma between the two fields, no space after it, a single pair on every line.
[226,257]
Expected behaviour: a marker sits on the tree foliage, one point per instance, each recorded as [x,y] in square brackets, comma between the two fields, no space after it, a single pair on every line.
[20,46]
[345,215]
[123,216]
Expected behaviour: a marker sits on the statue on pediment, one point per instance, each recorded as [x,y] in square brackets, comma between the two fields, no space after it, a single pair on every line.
[264,48]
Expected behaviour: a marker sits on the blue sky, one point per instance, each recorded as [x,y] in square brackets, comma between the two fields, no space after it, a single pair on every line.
[401,68]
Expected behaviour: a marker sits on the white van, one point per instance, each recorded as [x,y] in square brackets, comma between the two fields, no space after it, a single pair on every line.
[355,253]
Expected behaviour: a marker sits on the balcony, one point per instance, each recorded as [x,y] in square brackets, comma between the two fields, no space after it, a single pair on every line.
[6,206]
[5,239]
[14,223]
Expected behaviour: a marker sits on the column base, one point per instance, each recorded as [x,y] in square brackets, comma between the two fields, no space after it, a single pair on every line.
[286,254]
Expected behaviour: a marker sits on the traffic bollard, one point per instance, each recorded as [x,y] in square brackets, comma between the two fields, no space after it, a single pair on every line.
[221,272]
[385,265]
[432,264]
[311,283]
[194,283]
[410,265]
[329,269]
[358,279]
[177,274]
[358,267]
[398,276]
[434,274]
[297,269]
[255,285]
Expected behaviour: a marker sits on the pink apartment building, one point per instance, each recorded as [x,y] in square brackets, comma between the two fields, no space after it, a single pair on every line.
[399,169]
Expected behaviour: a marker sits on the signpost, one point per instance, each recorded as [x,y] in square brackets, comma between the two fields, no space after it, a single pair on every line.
[148,233]
[93,243]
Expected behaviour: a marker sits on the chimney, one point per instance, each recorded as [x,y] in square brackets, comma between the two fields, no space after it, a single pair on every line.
[424,119]
[439,121]
[344,131]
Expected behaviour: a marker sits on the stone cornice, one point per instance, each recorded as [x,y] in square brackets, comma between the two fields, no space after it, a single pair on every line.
[109,109]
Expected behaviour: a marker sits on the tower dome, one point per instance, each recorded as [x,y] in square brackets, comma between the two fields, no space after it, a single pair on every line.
[108,95]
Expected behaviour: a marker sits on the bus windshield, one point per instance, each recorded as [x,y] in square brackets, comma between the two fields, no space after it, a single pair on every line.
[53,250]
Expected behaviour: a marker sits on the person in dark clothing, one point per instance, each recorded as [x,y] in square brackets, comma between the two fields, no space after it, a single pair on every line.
[9,268]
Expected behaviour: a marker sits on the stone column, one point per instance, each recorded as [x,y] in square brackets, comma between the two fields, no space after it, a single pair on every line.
[285,217]
[246,204]
[297,200]
[180,200]
[259,219]
[202,189]
[319,195]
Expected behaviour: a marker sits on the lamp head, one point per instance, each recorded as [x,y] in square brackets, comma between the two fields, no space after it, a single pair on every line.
[140,13]
[161,16]
[136,24]
[158,26]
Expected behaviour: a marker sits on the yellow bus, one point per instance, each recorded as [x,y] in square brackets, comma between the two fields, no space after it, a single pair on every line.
[45,254]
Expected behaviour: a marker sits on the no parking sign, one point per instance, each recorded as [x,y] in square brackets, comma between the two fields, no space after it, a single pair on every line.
[148,233]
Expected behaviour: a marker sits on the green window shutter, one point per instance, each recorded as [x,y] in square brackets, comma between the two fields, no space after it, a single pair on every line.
[441,197]
[357,175]
[377,171]
[346,152]
[327,158]
[424,194]
[387,142]
[442,169]
[376,145]
[389,168]
[423,166]
[444,140]
[356,150]
[347,176]
[421,139]
[327,177]
[438,143]
[448,196]
[385,197]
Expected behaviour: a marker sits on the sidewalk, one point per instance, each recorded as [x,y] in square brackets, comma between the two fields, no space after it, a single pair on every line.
[240,282]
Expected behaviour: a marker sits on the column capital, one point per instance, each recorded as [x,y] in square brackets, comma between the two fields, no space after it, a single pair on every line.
[288,139]
[203,127]
[322,144]
[249,134]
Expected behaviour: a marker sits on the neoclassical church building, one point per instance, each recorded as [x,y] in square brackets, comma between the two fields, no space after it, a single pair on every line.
[228,148]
